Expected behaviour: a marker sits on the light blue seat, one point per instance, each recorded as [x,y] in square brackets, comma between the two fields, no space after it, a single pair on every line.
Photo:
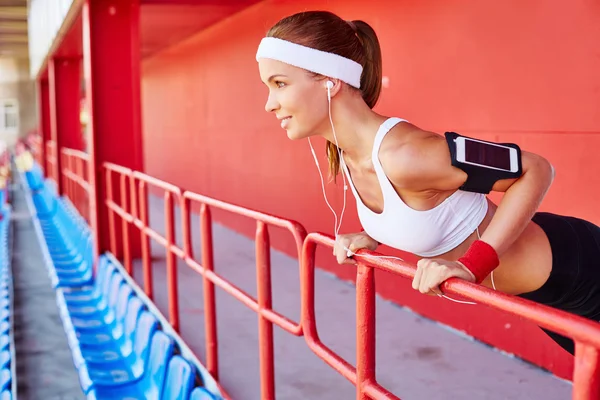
[201,393]
[104,370]
[6,395]
[112,333]
[4,358]
[91,295]
[103,306]
[180,379]
[100,320]
[4,341]
[151,385]
[5,379]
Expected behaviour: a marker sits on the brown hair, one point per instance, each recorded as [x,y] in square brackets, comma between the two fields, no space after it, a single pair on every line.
[356,40]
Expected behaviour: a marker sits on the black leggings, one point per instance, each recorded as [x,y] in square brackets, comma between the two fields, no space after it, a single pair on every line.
[574,283]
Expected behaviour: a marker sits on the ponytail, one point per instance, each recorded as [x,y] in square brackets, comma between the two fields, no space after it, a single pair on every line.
[370,81]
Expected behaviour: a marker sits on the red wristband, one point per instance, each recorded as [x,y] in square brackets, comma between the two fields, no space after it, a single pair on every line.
[480,259]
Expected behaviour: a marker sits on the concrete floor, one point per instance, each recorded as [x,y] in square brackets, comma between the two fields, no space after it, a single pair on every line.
[416,357]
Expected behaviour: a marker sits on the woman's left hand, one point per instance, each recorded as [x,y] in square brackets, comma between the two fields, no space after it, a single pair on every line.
[432,272]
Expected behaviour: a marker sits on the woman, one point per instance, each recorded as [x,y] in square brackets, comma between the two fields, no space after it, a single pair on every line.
[324,77]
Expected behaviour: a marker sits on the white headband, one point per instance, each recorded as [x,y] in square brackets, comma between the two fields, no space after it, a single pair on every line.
[317,61]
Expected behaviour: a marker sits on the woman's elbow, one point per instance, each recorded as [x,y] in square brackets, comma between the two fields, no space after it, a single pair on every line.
[542,168]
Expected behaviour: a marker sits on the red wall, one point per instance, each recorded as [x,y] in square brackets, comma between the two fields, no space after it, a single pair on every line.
[527,72]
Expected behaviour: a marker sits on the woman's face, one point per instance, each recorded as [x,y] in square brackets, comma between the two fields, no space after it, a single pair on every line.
[296,97]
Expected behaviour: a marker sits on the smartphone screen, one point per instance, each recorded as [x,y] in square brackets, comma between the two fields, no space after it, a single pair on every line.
[487,154]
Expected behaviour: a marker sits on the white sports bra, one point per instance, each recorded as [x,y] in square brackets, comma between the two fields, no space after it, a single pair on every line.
[424,233]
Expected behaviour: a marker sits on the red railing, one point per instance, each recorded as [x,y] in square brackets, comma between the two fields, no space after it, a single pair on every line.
[75,181]
[586,333]
[132,208]
[173,196]
[51,160]
[35,141]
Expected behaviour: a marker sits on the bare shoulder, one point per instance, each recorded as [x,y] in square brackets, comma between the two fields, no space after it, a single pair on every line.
[418,159]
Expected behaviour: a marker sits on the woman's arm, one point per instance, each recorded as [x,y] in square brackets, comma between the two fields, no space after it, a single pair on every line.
[422,163]
[521,200]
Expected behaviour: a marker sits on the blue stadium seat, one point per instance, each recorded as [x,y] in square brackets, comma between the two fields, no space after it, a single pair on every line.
[180,380]
[4,358]
[152,383]
[201,393]
[6,378]
[117,344]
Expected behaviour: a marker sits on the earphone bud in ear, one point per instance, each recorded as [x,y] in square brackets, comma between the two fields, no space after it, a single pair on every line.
[329,85]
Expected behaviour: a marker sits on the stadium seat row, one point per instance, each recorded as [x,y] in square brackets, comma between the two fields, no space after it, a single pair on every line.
[6,347]
[118,345]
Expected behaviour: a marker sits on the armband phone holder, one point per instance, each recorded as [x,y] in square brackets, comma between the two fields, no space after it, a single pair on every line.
[481,177]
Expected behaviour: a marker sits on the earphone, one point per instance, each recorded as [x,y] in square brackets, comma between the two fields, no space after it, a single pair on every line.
[329,85]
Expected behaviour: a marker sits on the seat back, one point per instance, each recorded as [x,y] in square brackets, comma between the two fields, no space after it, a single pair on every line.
[155,373]
[201,393]
[125,293]
[5,379]
[107,280]
[180,380]
[4,358]
[146,326]
[134,307]
[115,286]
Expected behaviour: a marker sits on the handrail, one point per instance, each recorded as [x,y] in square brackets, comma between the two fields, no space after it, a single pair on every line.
[51,160]
[586,333]
[133,210]
[263,305]
[75,180]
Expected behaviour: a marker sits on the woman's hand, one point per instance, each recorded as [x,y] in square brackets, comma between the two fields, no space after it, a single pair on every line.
[432,272]
[354,242]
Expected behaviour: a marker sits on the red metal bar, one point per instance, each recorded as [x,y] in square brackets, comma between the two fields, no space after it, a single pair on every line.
[586,377]
[125,225]
[172,286]
[143,181]
[297,231]
[309,323]
[146,260]
[74,179]
[365,329]
[43,89]
[265,327]
[111,213]
[65,162]
[51,160]
[210,310]
[586,333]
